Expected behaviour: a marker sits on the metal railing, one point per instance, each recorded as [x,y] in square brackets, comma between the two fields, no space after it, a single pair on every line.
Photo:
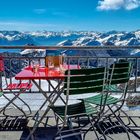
[15,62]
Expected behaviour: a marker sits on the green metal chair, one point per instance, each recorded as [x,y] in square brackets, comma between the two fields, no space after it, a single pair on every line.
[118,77]
[79,82]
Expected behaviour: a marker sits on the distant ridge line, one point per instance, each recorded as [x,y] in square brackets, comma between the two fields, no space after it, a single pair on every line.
[70,47]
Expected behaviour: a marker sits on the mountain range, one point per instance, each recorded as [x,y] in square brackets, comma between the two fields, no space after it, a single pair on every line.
[72,38]
[78,38]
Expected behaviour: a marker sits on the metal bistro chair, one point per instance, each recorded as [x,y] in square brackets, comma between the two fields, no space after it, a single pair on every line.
[79,82]
[118,77]
[15,88]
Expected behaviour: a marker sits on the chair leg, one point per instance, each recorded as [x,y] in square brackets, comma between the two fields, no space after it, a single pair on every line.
[129,129]
[57,125]
[24,104]
[11,102]
[31,135]
[58,130]
[126,116]
[93,127]
[118,109]
[122,123]
[71,127]
[84,136]
[22,91]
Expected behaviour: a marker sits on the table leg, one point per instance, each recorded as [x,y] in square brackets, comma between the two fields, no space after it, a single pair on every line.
[45,95]
[50,97]
[45,113]
[55,89]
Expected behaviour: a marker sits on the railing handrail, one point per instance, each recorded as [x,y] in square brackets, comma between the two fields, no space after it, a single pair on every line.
[90,57]
[69,47]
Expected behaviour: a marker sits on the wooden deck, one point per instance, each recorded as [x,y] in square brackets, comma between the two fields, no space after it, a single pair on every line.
[16,128]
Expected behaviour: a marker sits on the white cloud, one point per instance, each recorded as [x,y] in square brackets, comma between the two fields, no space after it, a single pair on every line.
[132,4]
[39,11]
[118,4]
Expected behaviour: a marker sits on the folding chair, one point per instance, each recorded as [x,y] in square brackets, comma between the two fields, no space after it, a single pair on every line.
[15,88]
[118,76]
[80,82]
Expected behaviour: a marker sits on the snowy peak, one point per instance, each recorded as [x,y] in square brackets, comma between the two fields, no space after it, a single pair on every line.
[79,38]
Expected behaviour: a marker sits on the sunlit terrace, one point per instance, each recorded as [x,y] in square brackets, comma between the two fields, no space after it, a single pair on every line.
[36,85]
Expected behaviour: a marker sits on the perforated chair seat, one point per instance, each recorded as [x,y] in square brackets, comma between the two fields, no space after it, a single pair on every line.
[77,109]
[17,86]
[97,99]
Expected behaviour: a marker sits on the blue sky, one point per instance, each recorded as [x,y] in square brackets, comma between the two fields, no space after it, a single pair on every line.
[65,15]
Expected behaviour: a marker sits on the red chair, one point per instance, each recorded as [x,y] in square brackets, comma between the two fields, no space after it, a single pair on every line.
[15,88]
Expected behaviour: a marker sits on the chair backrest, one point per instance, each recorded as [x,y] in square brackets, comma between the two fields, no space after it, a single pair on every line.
[119,72]
[81,81]
[2,72]
[1,64]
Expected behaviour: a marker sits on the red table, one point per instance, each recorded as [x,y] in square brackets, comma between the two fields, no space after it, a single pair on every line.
[43,73]
[46,74]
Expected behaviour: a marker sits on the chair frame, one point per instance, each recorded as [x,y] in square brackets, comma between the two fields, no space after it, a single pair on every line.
[122,99]
[110,106]
[92,119]
[21,87]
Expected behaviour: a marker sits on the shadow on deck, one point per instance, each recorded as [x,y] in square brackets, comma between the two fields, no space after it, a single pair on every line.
[18,126]
[16,129]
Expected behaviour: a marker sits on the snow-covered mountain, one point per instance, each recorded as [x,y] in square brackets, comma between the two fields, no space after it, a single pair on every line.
[15,38]
[79,38]
[72,38]
[109,38]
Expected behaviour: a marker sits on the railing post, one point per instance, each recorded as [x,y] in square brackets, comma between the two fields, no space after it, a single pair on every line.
[136,74]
